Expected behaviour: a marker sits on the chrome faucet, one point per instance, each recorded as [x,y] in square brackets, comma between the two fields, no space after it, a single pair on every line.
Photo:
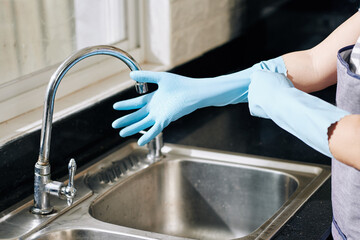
[43,185]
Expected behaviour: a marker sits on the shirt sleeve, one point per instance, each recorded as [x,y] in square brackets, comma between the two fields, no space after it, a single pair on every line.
[354,63]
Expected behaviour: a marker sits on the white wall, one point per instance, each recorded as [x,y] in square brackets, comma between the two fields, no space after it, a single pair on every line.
[180,30]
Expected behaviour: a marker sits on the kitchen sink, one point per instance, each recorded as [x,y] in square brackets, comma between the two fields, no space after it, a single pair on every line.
[191,193]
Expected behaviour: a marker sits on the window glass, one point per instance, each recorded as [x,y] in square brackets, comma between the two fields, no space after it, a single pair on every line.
[38,34]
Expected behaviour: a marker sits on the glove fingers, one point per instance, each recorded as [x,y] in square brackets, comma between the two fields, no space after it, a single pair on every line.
[133,103]
[130,118]
[149,135]
[137,127]
[145,76]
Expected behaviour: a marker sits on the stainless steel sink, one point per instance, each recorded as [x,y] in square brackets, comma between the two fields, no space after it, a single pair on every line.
[191,193]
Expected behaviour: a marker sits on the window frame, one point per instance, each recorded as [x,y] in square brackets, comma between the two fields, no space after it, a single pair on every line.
[22,113]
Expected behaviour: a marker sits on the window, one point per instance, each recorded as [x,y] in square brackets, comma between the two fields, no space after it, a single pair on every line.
[37,35]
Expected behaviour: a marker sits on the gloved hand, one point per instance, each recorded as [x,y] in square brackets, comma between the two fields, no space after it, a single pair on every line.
[272,95]
[177,96]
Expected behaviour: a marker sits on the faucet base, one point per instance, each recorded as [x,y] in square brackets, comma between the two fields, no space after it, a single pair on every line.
[39,211]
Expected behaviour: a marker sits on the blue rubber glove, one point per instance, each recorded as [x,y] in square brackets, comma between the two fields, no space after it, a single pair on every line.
[177,96]
[272,95]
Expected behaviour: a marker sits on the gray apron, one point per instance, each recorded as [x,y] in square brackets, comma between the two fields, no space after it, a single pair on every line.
[345,179]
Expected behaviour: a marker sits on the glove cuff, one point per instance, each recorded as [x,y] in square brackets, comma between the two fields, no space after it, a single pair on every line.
[276,65]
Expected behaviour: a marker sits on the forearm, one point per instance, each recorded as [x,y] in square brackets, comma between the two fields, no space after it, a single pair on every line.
[303,72]
[344,140]
[315,69]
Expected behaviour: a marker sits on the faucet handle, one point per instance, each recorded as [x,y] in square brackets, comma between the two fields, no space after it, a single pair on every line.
[69,191]
[72,170]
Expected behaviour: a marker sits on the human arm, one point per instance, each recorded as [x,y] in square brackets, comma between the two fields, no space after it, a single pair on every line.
[321,125]
[309,70]
[315,69]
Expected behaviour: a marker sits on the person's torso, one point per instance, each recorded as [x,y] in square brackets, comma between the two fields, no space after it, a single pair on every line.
[346,179]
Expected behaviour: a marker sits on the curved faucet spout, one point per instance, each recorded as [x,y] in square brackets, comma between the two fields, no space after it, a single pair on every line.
[58,76]
[43,185]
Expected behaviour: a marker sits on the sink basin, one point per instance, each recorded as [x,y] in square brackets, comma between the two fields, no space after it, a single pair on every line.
[197,199]
[200,194]
[190,193]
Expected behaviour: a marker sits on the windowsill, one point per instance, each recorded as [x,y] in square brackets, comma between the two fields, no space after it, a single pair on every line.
[64,106]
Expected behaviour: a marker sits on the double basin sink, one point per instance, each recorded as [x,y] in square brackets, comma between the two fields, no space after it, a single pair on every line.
[191,193]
